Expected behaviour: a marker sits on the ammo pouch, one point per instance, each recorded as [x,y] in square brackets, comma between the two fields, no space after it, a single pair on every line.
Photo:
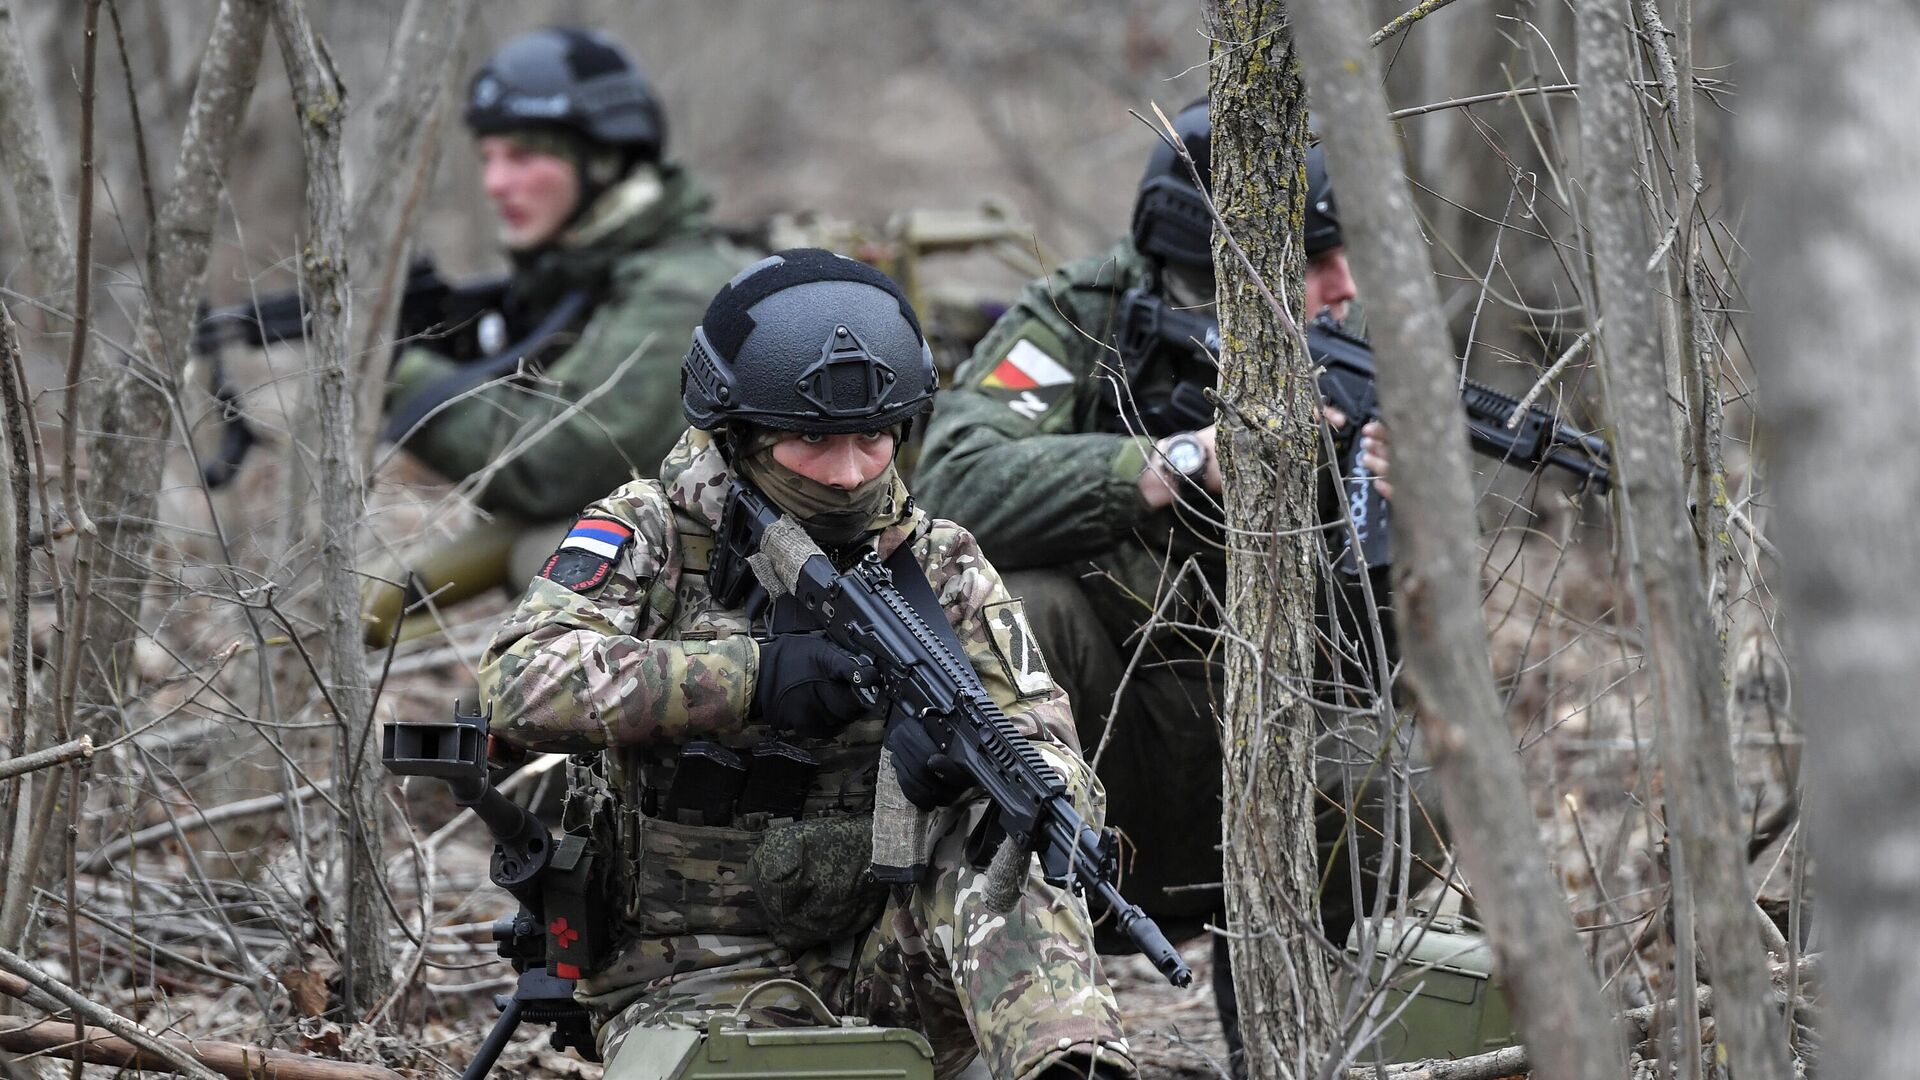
[689,879]
[673,878]
[679,877]
[814,880]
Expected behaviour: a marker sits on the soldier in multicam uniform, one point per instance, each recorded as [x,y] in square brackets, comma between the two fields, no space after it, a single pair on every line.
[1066,466]
[620,647]
[614,259]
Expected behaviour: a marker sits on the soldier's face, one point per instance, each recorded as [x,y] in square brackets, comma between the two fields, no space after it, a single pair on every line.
[840,461]
[533,192]
[1329,283]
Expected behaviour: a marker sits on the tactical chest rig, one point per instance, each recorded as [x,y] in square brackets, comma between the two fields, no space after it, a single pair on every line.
[687,823]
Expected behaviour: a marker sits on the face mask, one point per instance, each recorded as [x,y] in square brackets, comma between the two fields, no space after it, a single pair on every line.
[829,514]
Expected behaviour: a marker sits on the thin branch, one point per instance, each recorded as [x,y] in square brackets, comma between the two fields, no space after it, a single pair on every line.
[1481,99]
[101,858]
[238,1061]
[73,629]
[1546,377]
[1405,19]
[88,1009]
[139,131]
[18,422]
[81,747]
[319,99]
[407,118]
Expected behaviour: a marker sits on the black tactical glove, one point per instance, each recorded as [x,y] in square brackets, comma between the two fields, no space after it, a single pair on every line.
[928,778]
[810,686]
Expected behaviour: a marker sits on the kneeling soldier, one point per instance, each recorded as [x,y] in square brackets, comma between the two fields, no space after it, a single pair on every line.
[739,755]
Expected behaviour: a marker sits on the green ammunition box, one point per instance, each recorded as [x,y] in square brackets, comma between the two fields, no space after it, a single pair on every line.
[1443,972]
[727,1047]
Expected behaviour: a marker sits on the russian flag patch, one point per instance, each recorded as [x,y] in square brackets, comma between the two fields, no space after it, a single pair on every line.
[585,558]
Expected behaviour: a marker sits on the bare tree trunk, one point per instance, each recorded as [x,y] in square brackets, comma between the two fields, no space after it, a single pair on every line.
[1688,696]
[1268,440]
[1828,138]
[319,106]
[406,145]
[28,168]
[134,408]
[1555,995]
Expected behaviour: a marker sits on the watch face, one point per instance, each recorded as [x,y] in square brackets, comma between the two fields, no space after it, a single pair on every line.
[1186,455]
[492,333]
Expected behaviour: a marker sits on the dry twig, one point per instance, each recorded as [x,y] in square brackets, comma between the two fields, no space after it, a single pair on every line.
[85,1008]
[236,1060]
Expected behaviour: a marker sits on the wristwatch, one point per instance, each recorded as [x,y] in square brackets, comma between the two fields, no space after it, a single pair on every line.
[1186,455]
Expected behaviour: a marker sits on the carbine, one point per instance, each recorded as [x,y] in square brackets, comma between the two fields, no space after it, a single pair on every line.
[1153,332]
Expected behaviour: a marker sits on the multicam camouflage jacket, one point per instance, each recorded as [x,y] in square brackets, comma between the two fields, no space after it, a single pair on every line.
[639,660]
[1026,451]
[648,257]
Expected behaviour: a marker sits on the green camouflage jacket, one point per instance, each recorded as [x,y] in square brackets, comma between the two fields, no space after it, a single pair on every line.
[1022,453]
[648,255]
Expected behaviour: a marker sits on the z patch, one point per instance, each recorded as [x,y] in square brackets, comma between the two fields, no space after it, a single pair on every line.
[1018,651]
[1028,379]
[585,558]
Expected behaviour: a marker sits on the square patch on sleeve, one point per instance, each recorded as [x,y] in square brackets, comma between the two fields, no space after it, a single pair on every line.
[1017,648]
[585,558]
[1027,377]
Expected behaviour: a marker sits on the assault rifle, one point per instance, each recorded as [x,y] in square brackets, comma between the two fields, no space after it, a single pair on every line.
[560,929]
[923,677]
[452,319]
[1153,332]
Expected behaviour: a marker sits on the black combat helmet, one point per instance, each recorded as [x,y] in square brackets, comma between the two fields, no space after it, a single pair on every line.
[1170,217]
[1323,218]
[570,78]
[806,340]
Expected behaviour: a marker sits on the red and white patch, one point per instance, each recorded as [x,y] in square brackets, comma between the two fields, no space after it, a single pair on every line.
[1026,367]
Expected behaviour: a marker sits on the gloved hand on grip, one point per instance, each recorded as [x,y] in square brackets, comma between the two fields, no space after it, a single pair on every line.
[810,686]
[928,778]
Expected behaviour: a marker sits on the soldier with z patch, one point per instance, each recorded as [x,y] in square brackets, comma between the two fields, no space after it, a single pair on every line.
[1078,445]
[740,751]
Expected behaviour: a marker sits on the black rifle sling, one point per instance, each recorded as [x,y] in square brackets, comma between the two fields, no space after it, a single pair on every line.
[414,411]
[911,580]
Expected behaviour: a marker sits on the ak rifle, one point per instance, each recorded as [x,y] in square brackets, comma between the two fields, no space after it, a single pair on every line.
[923,677]
[1154,334]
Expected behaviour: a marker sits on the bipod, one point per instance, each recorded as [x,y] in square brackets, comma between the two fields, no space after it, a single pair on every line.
[543,999]
[559,929]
